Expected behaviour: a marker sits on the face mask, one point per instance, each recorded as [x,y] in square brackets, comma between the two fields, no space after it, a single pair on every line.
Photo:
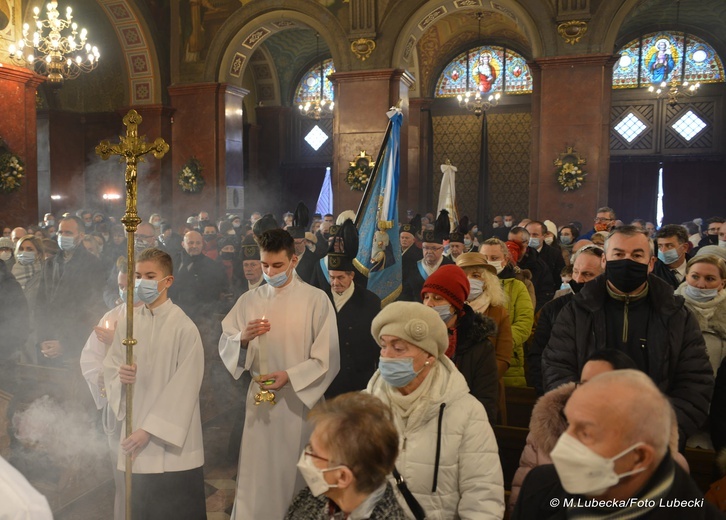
[444,311]
[314,477]
[139,246]
[50,223]
[277,280]
[495,225]
[565,285]
[626,275]
[124,294]
[236,224]
[601,227]
[474,231]
[565,240]
[5,256]
[722,243]
[713,240]
[700,295]
[576,286]
[668,257]
[477,288]
[398,372]
[88,224]
[549,241]
[209,237]
[584,472]
[534,243]
[26,257]
[66,243]
[499,266]
[508,223]
[467,242]
[148,290]
[226,255]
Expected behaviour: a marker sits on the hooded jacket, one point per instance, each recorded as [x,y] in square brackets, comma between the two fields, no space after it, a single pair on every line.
[448,454]
[521,316]
[677,359]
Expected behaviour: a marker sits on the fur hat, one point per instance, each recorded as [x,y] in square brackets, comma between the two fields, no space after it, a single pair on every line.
[250,250]
[450,282]
[461,230]
[412,322]
[413,226]
[300,221]
[344,248]
[442,228]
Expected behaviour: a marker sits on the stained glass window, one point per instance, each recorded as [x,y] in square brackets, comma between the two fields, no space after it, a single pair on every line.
[309,87]
[485,73]
[659,57]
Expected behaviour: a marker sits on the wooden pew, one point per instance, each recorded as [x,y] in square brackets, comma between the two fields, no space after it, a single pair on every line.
[511,441]
[520,401]
[702,466]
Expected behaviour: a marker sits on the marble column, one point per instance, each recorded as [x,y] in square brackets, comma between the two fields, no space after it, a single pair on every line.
[19,131]
[570,107]
[362,99]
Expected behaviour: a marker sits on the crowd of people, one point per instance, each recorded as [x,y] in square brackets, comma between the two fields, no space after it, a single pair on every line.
[358,409]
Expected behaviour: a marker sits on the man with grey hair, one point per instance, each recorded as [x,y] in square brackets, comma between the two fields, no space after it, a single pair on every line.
[632,310]
[610,463]
[604,221]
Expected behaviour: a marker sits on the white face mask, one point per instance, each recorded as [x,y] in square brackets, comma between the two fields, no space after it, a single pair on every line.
[549,241]
[584,472]
[722,243]
[476,288]
[499,266]
[508,223]
[314,477]
[5,256]
[700,295]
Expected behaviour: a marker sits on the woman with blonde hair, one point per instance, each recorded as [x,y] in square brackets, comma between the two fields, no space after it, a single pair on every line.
[28,271]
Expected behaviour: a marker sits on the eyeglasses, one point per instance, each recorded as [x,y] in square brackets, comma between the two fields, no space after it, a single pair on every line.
[434,249]
[601,219]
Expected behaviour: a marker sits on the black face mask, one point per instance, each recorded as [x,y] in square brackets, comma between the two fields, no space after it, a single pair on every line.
[226,255]
[576,286]
[209,238]
[626,275]
[712,239]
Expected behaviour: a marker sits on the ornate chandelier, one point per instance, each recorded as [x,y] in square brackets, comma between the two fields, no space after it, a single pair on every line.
[474,101]
[673,89]
[56,49]
[318,108]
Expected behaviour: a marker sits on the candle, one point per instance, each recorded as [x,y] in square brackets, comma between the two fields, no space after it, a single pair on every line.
[106,323]
[263,352]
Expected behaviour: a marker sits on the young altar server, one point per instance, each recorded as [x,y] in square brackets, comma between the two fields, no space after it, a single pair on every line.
[285,333]
[166,444]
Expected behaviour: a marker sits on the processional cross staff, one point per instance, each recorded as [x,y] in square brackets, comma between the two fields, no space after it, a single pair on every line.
[131,149]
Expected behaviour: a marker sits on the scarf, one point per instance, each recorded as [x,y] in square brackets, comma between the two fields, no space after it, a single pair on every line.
[341,299]
[703,311]
[23,273]
[481,304]
[411,408]
[451,349]
[627,299]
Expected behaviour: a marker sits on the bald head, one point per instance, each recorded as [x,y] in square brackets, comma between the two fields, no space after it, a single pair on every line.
[193,243]
[17,234]
[145,236]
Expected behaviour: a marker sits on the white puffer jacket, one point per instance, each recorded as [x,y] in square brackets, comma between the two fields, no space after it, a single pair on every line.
[467,471]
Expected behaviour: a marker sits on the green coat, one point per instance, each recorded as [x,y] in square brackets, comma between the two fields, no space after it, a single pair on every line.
[521,315]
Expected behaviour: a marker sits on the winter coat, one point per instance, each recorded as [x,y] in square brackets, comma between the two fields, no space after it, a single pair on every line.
[545,427]
[544,285]
[711,317]
[448,453]
[677,359]
[13,316]
[521,317]
[475,358]
[545,321]
[307,507]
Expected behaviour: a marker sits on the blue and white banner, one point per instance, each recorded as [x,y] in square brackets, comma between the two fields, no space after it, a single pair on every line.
[379,252]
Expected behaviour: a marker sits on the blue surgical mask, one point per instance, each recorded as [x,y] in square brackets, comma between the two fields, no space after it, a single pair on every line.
[565,285]
[565,240]
[124,294]
[26,257]
[668,257]
[534,242]
[397,372]
[277,280]
[476,288]
[148,290]
[444,311]
[700,295]
[66,243]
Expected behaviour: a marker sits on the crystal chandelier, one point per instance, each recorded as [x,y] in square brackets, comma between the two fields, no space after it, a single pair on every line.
[474,101]
[673,89]
[56,49]
[318,108]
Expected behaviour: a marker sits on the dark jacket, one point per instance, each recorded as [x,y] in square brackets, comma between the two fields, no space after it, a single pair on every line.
[546,320]
[198,284]
[13,315]
[718,410]
[359,352]
[676,352]
[307,507]
[475,358]
[542,496]
[552,256]
[413,282]
[412,255]
[544,288]
[664,272]
[306,266]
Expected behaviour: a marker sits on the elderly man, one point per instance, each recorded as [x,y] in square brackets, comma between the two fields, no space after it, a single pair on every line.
[673,254]
[306,261]
[634,311]
[604,221]
[433,258]
[610,463]
[17,233]
[410,252]
[199,282]
[355,308]
[587,265]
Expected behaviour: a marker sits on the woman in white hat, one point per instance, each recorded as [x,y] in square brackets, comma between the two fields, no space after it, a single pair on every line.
[448,455]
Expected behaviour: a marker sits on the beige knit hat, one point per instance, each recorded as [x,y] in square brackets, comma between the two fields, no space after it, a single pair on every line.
[412,322]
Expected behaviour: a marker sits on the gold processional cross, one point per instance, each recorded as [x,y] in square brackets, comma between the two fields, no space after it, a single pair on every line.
[131,149]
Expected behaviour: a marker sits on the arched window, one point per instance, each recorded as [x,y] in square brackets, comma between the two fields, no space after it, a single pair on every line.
[485,73]
[661,56]
[309,87]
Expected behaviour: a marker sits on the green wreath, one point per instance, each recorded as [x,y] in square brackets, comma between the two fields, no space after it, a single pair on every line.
[190,177]
[570,176]
[11,172]
[357,176]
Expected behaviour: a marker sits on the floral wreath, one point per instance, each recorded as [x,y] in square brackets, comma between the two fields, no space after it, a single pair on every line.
[570,175]
[11,171]
[190,177]
[359,172]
